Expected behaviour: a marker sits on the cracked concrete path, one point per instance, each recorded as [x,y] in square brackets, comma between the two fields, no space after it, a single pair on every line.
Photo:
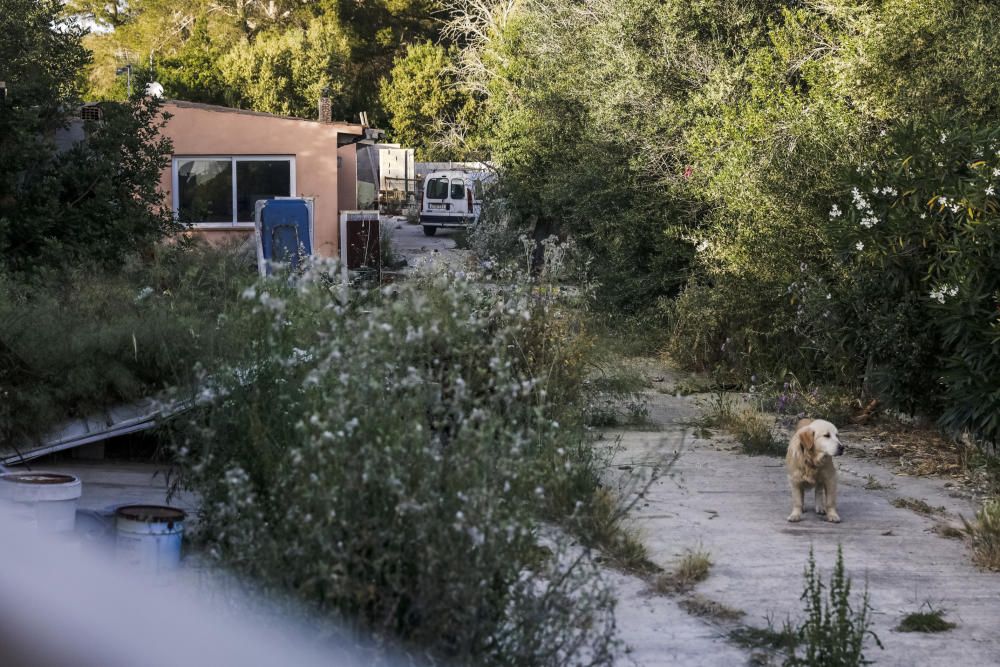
[419,250]
[734,506]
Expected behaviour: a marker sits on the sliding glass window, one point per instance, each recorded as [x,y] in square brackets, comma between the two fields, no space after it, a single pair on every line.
[221,191]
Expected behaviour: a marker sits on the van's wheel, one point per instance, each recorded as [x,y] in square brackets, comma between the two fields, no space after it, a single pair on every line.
[429,231]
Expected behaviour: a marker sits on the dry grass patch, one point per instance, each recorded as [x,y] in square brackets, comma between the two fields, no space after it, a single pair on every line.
[984,534]
[872,484]
[769,638]
[603,526]
[918,506]
[948,531]
[699,605]
[749,424]
[692,569]
[931,620]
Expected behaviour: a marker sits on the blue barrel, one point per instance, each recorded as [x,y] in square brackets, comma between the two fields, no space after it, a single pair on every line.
[148,537]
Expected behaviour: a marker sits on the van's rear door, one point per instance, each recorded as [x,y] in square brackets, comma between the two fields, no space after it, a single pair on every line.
[436,194]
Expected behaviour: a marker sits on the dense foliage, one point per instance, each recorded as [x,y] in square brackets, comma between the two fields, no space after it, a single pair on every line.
[390,457]
[695,149]
[422,98]
[79,339]
[66,197]
[277,56]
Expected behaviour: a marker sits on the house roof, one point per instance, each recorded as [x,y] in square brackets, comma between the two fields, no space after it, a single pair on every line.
[344,126]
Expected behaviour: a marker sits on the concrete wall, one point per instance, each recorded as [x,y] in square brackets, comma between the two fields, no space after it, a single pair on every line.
[198,129]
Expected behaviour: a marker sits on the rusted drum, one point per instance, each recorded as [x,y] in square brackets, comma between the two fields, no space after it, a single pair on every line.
[148,537]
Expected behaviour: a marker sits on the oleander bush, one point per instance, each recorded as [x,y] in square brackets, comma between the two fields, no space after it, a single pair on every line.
[919,299]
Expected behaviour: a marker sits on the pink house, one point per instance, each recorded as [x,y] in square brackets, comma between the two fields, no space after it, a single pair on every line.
[226,159]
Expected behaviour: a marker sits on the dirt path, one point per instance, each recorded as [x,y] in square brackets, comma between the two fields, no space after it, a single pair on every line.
[734,507]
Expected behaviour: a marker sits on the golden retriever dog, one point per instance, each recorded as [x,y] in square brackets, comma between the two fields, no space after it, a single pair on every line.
[810,464]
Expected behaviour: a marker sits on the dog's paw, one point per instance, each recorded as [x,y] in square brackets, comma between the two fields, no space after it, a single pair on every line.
[795,517]
[833,517]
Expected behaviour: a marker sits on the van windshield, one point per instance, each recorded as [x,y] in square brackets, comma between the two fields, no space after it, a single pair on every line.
[437,188]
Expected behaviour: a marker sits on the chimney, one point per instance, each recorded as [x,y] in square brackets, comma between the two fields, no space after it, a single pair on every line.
[325,110]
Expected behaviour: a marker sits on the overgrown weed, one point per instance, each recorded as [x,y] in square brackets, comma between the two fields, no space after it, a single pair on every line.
[931,620]
[81,339]
[984,534]
[834,631]
[751,427]
[692,569]
[410,475]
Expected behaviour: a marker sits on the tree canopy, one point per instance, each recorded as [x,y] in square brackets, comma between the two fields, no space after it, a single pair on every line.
[94,197]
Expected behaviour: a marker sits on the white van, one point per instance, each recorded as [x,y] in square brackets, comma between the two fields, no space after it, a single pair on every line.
[451,199]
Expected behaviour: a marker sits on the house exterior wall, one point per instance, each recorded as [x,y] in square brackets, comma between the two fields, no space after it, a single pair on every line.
[200,130]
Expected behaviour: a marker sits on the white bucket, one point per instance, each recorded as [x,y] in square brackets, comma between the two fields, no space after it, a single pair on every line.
[47,499]
[149,537]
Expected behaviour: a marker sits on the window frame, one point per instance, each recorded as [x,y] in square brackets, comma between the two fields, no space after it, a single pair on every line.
[437,179]
[233,159]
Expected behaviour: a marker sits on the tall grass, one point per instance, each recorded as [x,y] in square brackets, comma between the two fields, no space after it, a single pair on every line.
[83,338]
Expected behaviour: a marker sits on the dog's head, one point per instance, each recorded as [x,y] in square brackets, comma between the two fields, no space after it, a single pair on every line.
[818,440]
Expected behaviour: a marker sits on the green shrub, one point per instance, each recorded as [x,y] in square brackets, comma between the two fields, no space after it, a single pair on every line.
[83,338]
[389,460]
[921,289]
[834,631]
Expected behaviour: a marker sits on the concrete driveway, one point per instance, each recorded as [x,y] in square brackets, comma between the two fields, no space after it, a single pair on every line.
[734,506]
[423,251]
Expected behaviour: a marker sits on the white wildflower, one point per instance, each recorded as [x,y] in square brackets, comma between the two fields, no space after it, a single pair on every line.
[944,137]
[990,191]
[834,212]
[942,291]
[860,245]
[860,202]
[144,294]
